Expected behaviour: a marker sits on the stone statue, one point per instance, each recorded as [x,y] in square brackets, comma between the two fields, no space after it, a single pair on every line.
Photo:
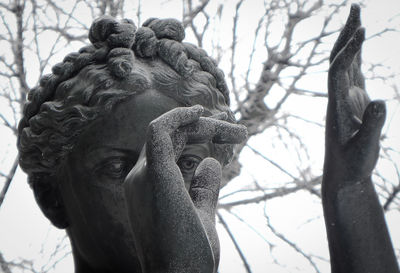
[357,233]
[123,145]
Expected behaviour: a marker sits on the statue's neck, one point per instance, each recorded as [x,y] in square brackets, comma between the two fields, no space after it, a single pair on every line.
[82,266]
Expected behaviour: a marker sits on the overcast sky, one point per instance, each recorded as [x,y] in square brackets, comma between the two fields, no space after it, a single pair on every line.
[24,230]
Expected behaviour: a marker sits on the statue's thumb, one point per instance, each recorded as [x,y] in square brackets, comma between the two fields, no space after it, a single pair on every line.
[371,127]
[204,189]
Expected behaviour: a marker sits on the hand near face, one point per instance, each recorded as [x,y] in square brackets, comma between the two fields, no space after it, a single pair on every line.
[174,229]
[354,123]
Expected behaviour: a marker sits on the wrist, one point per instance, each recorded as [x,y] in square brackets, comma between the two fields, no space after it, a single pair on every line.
[334,182]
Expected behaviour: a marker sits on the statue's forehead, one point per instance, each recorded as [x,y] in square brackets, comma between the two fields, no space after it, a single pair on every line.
[130,117]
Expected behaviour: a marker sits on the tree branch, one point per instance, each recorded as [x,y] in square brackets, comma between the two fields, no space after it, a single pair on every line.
[188,18]
[9,178]
[237,247]
[279,192]
[291,244]
[4,265]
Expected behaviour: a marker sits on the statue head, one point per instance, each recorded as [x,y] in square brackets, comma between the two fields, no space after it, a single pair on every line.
[108,92]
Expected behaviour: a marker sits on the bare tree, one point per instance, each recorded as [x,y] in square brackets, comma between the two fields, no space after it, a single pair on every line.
[270,59]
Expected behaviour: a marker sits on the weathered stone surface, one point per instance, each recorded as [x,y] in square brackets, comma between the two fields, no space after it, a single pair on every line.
[124,144]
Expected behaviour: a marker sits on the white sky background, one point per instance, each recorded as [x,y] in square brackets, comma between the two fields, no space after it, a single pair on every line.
[23,228]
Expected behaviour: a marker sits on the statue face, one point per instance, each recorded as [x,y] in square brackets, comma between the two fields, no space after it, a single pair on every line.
[92,177]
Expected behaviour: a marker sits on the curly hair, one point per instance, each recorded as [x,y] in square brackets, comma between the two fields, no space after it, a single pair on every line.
[89,83]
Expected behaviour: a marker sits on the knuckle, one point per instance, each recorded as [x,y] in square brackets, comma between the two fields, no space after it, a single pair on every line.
[154,127]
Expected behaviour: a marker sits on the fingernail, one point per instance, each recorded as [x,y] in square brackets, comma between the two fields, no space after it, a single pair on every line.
[243,131]
[355,9]
[360,34]
[378,108]
[220,116]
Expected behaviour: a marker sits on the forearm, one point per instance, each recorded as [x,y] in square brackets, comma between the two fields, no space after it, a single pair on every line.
[358,237]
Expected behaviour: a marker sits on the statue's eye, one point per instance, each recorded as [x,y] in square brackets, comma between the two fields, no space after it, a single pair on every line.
[115,168]
[188,163]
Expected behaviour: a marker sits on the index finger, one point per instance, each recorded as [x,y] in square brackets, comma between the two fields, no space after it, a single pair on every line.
[217,131]
[352,24]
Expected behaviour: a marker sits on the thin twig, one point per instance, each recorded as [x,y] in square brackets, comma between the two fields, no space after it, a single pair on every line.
[8,180]
[4,265]
[291,244]
[279,192]
[239,251]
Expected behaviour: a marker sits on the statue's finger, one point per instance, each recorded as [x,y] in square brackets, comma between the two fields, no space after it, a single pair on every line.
[352,24]
[217,131]
[179,140]
[177,117]
[180,137]
[204,189]
[164,144]
[220,116]
[372,123]
[364,146]
[340,80]
[228,133]
[358,77]
[346,56]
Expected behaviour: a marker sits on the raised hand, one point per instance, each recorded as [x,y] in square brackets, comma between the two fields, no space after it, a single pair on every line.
[357,233]
[353,123]
[174,228]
